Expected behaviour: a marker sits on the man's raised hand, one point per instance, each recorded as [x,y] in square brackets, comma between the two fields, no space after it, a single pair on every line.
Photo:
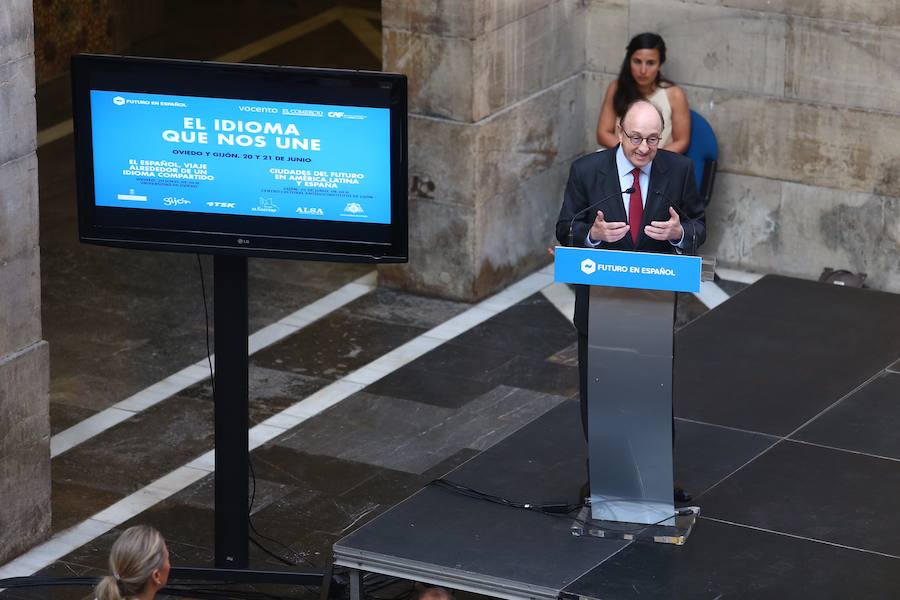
[601,231]
[666,230]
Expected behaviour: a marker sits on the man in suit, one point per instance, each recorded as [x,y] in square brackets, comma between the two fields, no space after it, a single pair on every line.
[662,213]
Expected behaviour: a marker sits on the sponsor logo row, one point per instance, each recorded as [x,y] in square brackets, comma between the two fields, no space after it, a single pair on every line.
[293,112]
[265,205]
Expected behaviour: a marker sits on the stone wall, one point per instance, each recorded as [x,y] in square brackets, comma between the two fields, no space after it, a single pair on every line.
[496,94]
[801,95]
[24,418]
[504,94]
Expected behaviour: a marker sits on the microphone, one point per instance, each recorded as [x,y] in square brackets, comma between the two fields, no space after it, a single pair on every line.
[594,205]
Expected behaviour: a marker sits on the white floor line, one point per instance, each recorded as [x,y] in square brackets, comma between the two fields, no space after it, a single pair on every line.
[284,36]
[738,275]
[159,391]
[353,17]
[364,31]
[68,540]
[711,294]
[562,297]
[54,132]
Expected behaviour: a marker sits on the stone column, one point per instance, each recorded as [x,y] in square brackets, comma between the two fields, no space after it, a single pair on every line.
[24,415]
[496,92]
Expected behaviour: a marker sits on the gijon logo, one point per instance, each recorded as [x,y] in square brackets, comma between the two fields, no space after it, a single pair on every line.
[588,266]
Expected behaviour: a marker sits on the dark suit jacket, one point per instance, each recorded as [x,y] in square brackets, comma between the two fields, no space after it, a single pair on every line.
[595,176]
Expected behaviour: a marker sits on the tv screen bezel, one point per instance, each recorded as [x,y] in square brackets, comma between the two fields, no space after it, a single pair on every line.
[207,233]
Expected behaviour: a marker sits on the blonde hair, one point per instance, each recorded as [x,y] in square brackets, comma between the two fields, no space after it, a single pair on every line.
[138,552]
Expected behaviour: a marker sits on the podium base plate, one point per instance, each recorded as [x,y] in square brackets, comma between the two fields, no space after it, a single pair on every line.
[618,530]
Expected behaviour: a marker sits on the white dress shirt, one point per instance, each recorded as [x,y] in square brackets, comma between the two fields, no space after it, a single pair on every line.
[626,180]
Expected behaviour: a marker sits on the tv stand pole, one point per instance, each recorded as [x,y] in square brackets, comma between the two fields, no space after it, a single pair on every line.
[231,397]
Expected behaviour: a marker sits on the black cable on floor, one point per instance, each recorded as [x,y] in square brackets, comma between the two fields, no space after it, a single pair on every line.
[556,508]
[300,562]
[560,511]
[212,374]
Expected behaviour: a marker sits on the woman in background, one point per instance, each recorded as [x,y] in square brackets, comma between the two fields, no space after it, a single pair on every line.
[139,561]
[641,77]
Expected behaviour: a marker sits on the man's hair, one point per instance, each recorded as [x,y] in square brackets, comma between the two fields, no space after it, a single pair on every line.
[662,120]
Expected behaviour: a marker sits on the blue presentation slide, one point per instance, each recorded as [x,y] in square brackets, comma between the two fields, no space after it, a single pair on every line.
[241,157]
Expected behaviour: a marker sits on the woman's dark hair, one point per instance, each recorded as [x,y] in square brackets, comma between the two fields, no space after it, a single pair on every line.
[627,91]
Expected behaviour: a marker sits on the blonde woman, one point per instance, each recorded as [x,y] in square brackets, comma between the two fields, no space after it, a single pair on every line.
[139,561]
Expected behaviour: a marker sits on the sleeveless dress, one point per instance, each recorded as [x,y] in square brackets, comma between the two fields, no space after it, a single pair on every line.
[660,100]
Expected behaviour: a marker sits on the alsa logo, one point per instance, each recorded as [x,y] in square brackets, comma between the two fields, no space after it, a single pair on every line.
[588,266]
[221,204]
[354,208]
[173,201]
[305,210]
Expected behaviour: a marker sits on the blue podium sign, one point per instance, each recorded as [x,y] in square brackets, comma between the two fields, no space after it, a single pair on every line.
[616,268]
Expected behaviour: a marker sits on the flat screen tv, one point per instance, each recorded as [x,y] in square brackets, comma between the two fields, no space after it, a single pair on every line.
[252,160]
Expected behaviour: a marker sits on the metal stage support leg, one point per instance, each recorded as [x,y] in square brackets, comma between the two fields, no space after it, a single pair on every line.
[230,394]
[355,584]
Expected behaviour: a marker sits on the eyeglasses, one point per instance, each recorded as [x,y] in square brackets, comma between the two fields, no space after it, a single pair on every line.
[652,140]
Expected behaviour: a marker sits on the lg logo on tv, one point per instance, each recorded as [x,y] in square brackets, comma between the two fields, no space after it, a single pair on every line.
[588,266]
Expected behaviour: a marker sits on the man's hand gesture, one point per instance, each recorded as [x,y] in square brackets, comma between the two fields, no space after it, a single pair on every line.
[665,230]
[601,231]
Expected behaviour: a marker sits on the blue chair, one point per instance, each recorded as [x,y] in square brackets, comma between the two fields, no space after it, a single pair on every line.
[704,151]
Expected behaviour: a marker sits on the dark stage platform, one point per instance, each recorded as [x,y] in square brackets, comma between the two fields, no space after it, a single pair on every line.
[787,406]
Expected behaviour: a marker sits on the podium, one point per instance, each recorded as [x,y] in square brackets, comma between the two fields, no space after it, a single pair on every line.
[629,390]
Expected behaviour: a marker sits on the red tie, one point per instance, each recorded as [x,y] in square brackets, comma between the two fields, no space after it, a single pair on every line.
[636,207]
